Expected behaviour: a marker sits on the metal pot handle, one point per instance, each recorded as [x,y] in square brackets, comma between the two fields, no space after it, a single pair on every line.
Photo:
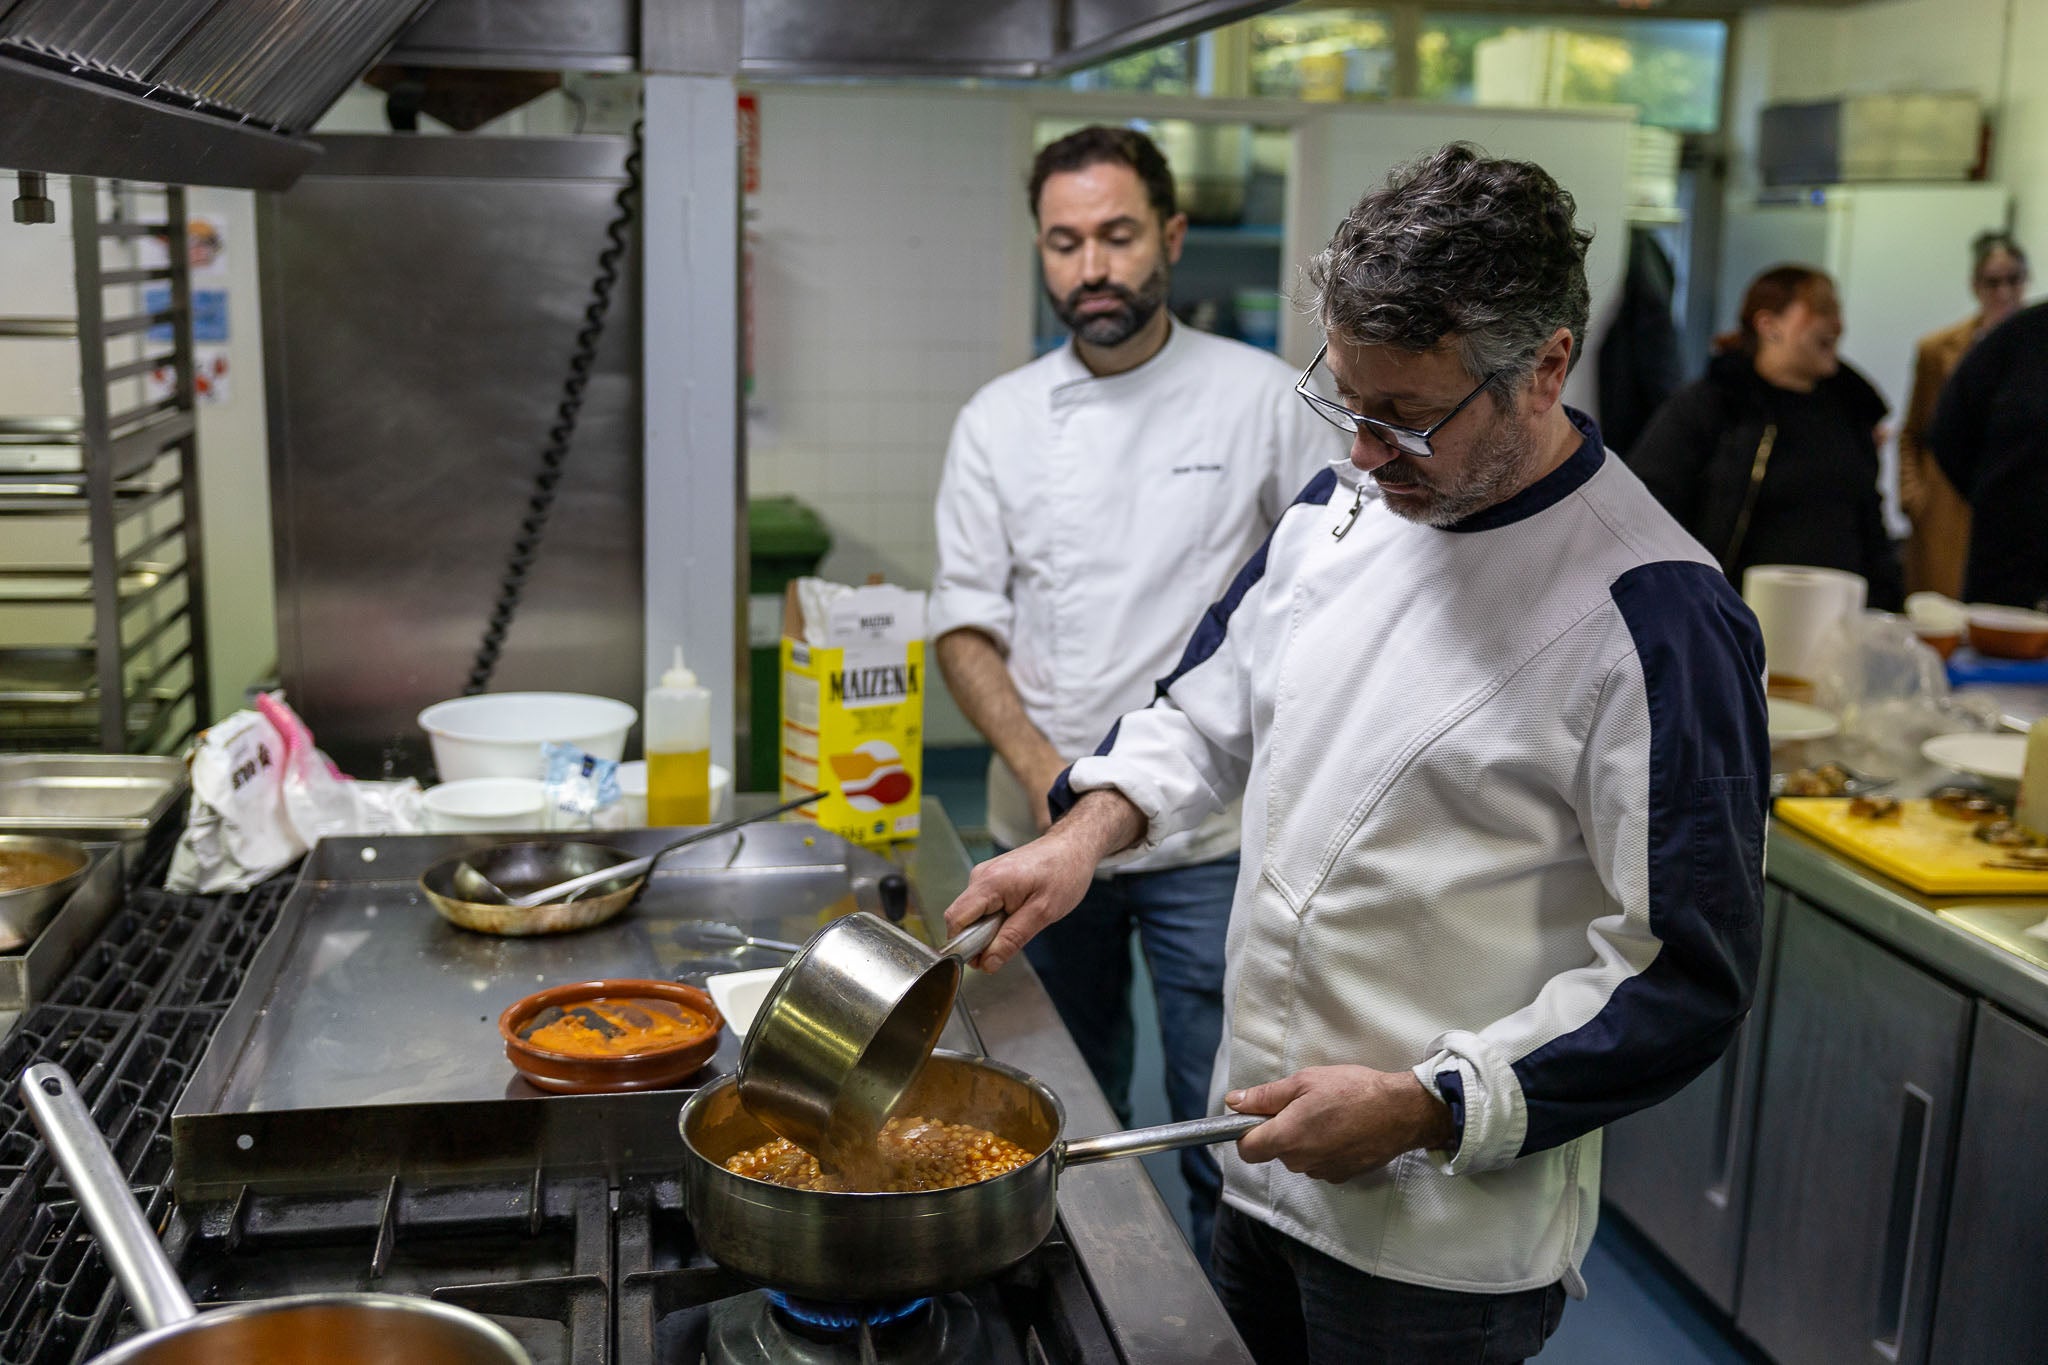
[970,942]
[1166,1137]
[126,1240]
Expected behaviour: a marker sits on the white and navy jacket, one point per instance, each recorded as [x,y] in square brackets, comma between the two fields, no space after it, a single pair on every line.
[1504,790]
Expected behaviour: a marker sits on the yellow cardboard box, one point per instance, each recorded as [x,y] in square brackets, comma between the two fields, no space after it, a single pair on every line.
[853,683]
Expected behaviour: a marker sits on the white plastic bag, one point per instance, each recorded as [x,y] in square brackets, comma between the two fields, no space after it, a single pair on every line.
[237,832]
[262,794]
[1892,694]
[320,800]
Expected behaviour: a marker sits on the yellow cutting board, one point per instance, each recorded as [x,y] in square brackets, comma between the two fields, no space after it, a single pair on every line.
[1928,851]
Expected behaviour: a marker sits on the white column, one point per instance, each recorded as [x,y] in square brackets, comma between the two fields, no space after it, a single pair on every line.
[694,490]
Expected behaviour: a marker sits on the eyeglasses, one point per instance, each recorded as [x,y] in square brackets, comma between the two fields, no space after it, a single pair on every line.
[1407,440]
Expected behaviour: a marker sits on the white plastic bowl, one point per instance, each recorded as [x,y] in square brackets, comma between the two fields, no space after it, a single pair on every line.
[485,805]
[633,791]
[499,734]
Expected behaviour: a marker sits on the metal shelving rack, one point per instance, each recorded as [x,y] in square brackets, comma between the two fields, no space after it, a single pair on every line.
[139,683]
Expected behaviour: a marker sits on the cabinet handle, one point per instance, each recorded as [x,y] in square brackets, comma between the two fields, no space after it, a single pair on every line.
[1909,1182]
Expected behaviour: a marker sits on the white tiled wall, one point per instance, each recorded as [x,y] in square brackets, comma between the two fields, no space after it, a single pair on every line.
[892,267]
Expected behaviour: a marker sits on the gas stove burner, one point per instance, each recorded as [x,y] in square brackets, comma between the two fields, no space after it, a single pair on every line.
[770,1327]
[828,1321]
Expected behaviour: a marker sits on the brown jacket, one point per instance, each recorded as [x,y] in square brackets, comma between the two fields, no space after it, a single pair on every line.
[1941,519]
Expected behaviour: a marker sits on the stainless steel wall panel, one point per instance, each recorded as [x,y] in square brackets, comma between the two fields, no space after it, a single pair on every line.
[544,35]
[417,325]
[994,37]
[1100,29]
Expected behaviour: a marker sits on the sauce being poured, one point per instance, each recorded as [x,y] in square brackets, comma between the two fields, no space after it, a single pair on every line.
[614,1027]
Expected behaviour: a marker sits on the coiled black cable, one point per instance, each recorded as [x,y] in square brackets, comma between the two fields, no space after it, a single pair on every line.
[526,545]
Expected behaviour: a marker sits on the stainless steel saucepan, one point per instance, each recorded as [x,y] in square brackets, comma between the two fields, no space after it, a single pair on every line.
[857,1248]
[307,1329]
[845,1028]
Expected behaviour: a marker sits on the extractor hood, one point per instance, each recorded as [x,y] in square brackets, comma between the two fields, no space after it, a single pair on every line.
[211,92]
[222,92]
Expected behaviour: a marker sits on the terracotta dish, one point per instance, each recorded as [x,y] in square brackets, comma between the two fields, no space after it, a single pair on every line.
[600,1037]
[2009,632]
[1941,641]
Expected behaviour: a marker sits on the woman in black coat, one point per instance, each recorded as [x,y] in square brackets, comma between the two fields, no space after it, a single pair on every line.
[1772,457]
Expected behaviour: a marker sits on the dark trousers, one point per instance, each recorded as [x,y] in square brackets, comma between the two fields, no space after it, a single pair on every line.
[1295,1306]
[1181,916]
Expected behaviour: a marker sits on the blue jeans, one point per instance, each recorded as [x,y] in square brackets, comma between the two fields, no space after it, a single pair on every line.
[1181,915]
[1293,1305]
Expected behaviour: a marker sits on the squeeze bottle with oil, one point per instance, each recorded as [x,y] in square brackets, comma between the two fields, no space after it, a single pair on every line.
[678,749]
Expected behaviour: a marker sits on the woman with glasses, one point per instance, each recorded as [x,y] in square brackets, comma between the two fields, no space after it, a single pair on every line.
[1941,519]
[1772,457]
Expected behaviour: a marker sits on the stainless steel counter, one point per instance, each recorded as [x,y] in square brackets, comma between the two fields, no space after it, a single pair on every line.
[1975,941]
[362,1043]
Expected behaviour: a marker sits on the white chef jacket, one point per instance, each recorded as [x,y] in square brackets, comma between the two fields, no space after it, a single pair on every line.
[1504,791]
[1085,522]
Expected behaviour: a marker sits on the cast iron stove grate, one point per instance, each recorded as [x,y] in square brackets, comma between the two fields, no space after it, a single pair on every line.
[581,1274]
[118,1022]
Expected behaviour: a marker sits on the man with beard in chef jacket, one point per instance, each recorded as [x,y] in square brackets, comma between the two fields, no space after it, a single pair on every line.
[1094,502]
[1498,726]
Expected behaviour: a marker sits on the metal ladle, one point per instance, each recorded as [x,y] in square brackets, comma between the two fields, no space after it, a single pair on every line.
[474,885]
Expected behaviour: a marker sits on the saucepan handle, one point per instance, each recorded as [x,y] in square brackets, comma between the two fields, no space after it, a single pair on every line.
[969,943]
[126,1240]
[1167,1137]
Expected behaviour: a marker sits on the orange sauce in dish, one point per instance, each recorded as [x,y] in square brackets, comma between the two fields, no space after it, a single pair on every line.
[614,1027]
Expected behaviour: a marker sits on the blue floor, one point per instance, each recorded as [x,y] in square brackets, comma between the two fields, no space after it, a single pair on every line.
[1637,1311]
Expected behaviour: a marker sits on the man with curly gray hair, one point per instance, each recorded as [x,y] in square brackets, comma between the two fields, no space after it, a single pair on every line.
[1457,267]
[1498,726]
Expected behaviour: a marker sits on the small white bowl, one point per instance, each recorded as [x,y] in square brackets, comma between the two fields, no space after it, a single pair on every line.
[738,995]
[633,790]
[485,805]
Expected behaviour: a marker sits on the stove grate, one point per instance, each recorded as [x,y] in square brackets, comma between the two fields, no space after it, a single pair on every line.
[129,1021]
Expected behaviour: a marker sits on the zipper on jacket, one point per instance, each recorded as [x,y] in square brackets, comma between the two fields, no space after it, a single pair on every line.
[1357,505]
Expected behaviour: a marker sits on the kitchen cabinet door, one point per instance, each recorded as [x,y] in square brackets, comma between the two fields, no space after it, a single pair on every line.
[1854,1135]
[1680,1170]
[1991,1306]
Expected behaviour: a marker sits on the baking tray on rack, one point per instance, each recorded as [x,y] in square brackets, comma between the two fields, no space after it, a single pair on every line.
[364,1042]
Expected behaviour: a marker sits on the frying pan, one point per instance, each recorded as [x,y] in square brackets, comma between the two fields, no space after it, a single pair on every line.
[525,867]
[855,1248]
[306,1329]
